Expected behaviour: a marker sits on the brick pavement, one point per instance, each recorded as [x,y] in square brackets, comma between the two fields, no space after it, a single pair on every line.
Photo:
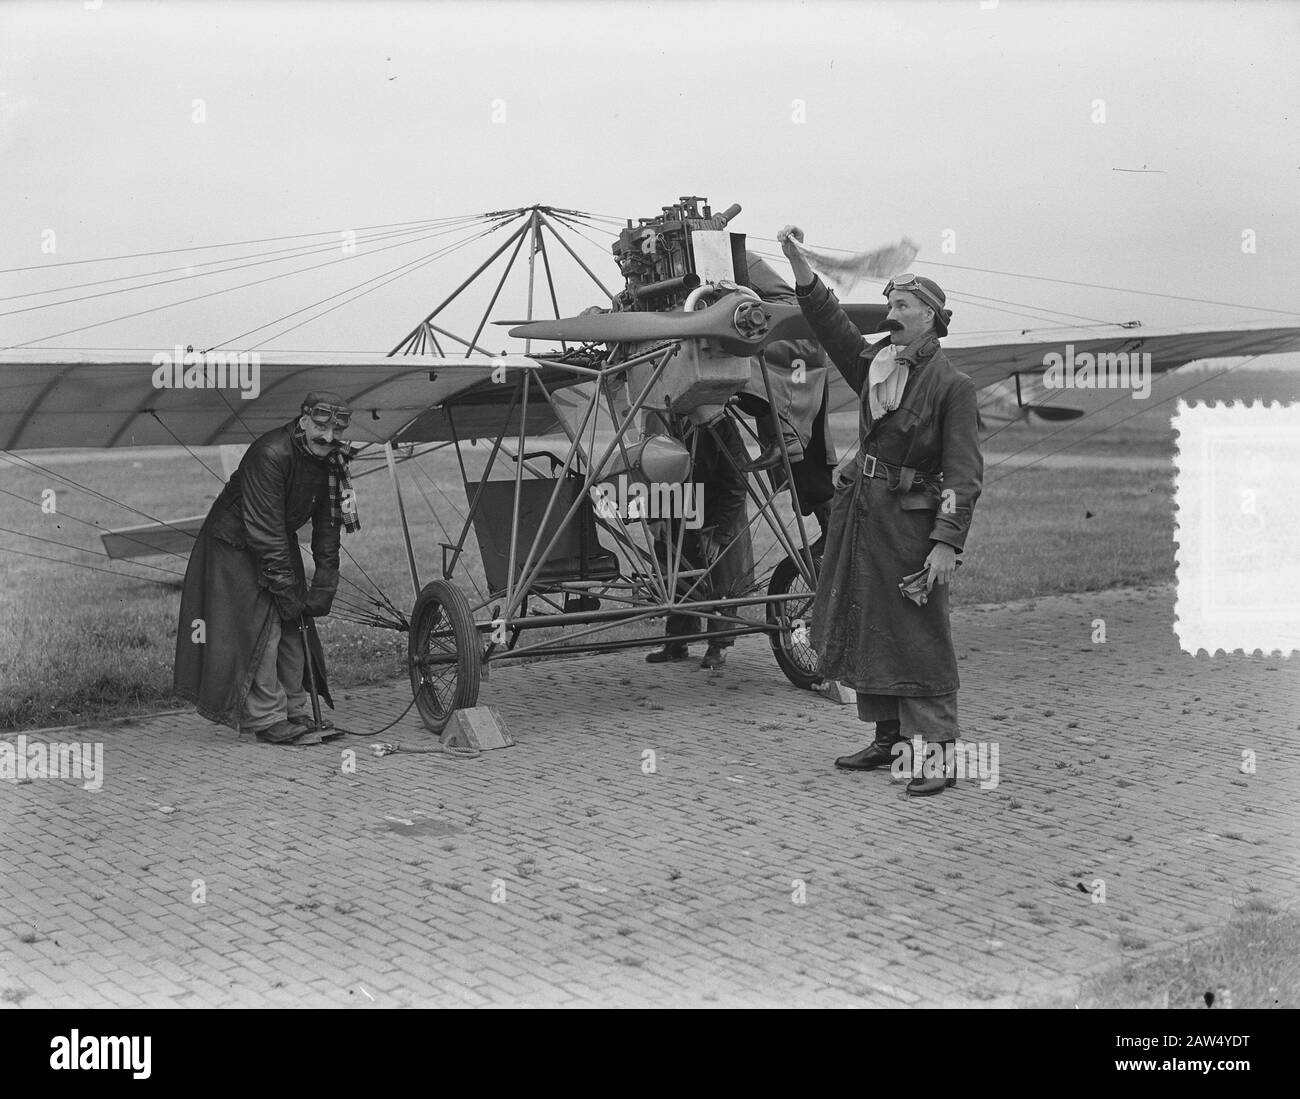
[558,873]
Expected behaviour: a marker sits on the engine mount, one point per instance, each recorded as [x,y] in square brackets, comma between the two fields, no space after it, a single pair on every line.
[686,258]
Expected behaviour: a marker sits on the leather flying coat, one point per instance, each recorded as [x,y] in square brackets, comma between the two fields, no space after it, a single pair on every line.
[247,566]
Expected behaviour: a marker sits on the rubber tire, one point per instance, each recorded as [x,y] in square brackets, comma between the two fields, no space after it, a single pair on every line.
[441,602]
[798,662]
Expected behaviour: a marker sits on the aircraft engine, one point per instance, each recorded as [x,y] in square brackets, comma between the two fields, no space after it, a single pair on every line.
[685,259]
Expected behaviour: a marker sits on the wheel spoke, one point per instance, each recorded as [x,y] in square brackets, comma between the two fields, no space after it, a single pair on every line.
[443,653]
[795,654]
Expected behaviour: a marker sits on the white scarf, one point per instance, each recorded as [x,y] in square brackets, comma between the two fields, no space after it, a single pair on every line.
[843,271]
[886,378]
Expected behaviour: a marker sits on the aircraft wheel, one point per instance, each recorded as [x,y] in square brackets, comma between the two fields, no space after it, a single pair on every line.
[445,658]
[793,651]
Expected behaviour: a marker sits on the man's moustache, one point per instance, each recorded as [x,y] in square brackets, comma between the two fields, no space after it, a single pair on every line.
[893,326]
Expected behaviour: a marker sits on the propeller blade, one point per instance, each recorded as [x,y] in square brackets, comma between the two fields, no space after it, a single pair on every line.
[715,322]
[628,327]
[786,322]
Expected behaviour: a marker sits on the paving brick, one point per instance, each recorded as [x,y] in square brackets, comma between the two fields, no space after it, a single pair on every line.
[624,888]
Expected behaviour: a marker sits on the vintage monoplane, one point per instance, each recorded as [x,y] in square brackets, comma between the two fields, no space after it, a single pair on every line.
[582,507]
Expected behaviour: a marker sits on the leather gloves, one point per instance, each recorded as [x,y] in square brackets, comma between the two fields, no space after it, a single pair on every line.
[290,603]
[319,601]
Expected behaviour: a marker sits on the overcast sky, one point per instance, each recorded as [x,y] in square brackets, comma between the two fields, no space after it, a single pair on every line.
[998,127]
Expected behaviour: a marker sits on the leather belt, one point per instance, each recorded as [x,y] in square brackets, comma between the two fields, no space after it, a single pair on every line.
[872,466]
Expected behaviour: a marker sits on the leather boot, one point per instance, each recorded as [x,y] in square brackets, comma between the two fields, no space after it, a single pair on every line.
[927,786]
[671,652]
[769,459]
[879,753]
[714,657]
[282,732]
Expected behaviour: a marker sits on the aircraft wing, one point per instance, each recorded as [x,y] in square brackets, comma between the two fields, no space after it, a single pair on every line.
[989,363]
[93,399]
[55,399]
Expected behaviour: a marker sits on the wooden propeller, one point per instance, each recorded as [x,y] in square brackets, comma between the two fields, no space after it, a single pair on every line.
[717,323]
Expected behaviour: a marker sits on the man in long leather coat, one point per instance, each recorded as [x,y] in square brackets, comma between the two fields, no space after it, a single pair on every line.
[907,508]
[246,621]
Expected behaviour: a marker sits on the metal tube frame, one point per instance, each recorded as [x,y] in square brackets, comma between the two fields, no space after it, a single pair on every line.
[593,471]
[461,288]
[401,511]
[518,588]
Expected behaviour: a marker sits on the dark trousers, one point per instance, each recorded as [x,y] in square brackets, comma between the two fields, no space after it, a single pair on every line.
[933,719]
[718,452]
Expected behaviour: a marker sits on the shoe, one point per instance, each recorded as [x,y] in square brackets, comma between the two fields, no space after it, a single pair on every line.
[668,654]
[879,753]
[936,784]
[282,732]
[769,459]
[714,657]
[325,731]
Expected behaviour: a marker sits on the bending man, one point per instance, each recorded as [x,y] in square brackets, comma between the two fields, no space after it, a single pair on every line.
[246,624]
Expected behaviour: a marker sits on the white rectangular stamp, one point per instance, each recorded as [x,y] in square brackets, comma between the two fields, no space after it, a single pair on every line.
[1237,528]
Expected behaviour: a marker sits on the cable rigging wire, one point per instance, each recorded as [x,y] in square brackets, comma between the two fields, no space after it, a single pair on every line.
[227,244]
[301,250]
[1074,282]
[88,523]
[13,457]
[188,451]
[215,293]
[86,549]
[371,619]
[92,568]
[488,224]
[961,296]
[412,265]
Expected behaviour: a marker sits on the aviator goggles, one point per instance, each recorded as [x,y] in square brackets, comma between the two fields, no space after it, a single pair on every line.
[325,414]
[913,284]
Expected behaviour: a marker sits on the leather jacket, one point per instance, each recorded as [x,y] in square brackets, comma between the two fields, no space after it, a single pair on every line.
[275,491]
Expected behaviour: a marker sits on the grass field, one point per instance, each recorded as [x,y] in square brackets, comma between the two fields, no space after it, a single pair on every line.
[80,646]
[1252,962]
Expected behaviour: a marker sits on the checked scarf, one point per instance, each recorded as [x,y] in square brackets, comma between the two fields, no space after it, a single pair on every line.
[343,500]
